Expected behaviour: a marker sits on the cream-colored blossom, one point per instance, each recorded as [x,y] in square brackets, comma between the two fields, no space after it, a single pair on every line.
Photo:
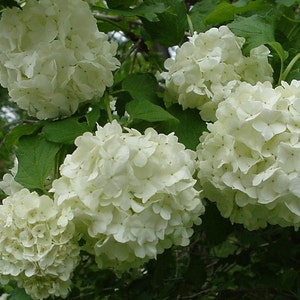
[53,57]
[36,251]
[249,161]
[133,194]
[209,66]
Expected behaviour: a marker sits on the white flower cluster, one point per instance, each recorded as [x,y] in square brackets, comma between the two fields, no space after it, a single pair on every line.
[132,194]
[52,57]
[209,66]
[38,245]
[249,161]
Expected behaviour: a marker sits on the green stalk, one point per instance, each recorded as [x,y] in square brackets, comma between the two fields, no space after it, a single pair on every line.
[289,67]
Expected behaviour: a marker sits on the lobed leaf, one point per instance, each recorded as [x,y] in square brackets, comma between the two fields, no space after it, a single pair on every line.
[18,294]
[67,130]
[257,30]
[147,111]
[141,86]
[227,11]
[36,159]
[190,126]
[171,25]
[17,132]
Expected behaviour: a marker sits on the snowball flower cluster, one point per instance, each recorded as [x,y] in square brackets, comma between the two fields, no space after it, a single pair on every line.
[38,245]
[52,57]
[132,194]
[209,66]
[249,161]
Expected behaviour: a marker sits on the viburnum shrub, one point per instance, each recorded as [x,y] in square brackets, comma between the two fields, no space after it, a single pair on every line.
[129,162]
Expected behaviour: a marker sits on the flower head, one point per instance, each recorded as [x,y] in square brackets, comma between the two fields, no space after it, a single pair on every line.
[132,193]
[53,57]
[209,66]
[249,161]
[36,251]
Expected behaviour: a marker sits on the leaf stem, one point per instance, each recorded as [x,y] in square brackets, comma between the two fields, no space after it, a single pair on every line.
[191,26]
[289,67]
[107,107]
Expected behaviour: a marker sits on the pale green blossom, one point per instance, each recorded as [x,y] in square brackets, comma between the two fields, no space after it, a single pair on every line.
[249,161]
[133,195]
[36,251]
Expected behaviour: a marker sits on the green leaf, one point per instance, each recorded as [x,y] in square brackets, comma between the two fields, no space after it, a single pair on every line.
[66,131]
[227,11]
[141,86]
[225,249]
[150,11]
[36,159]
[190,125]
[171,25]
[282,54]
[92,117]
[18,294]
[257,30]
[199,12]
[147,111]
[17,132]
